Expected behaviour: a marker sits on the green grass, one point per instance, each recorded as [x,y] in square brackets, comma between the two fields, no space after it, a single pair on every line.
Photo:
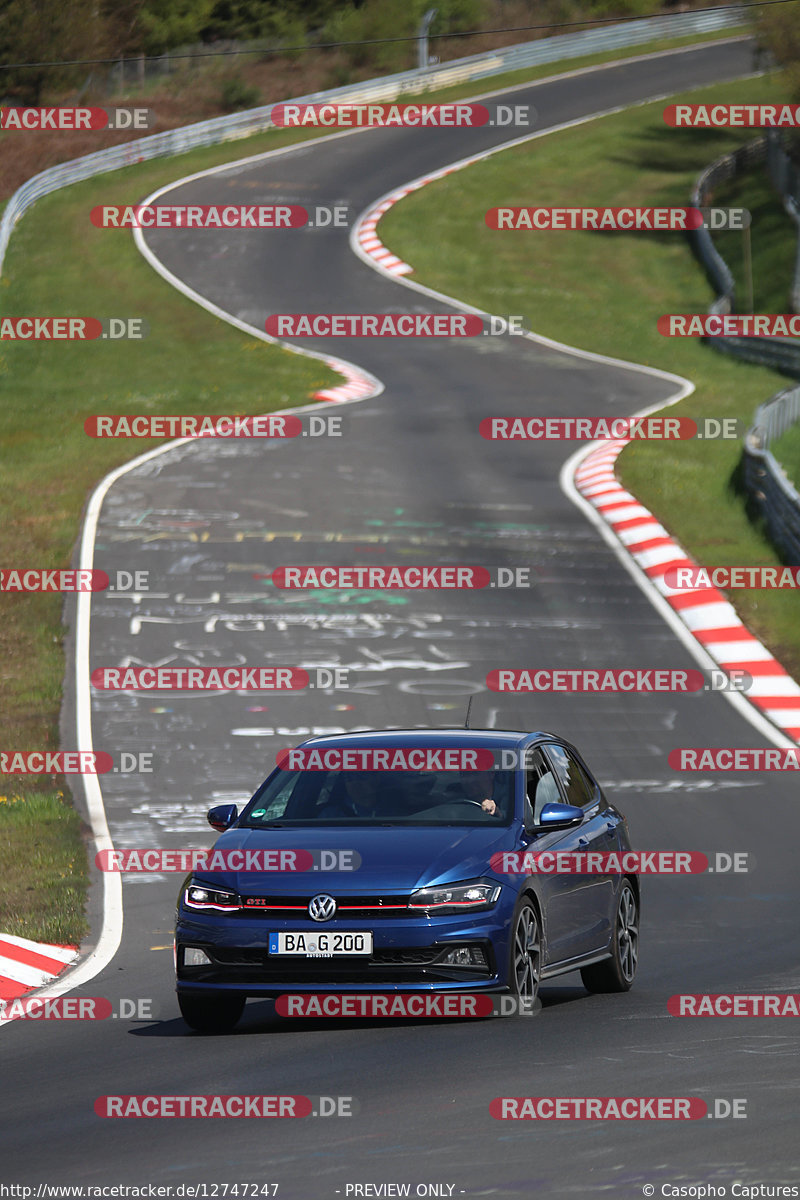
[604,292]
[58,264]
[43,873]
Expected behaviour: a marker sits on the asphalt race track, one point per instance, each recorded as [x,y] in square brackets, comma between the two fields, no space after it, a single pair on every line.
[410,481]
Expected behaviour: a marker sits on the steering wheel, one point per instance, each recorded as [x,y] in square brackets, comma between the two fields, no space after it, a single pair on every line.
[466,800]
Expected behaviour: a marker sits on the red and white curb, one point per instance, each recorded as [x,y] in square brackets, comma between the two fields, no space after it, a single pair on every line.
[357,385]
[709,617]
[372,245]
[367,239]
[26,965]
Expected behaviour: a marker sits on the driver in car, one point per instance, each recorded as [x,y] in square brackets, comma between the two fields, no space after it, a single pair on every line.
[478,786]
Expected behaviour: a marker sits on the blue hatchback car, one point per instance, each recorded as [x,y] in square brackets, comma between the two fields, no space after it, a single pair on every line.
[405,886]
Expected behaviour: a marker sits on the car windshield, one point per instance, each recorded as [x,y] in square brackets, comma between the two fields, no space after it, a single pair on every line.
[480,798]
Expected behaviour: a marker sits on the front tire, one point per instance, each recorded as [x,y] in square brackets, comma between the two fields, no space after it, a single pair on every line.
[525,966]
[616,974]
[211,1014]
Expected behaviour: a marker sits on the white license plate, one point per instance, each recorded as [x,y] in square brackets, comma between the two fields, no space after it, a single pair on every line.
[325,944]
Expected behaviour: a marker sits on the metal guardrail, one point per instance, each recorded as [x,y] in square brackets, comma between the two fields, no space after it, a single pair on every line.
[773,495]
[256,120]
[785,176]
[719,172]
[777,353]
[775,417]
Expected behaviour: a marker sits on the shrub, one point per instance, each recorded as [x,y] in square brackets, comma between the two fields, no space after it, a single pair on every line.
[236,93]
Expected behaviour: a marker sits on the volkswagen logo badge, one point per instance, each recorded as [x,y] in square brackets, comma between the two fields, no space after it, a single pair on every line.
[322,908]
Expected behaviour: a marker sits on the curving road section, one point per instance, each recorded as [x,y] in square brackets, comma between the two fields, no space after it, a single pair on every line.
[409,481]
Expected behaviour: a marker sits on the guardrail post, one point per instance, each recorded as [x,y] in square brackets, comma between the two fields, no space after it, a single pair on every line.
[422,45]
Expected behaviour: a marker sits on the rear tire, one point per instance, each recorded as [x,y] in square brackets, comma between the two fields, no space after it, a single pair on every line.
[616,974]
[211,1014]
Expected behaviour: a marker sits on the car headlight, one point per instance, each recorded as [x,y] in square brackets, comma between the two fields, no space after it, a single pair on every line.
[204,895]
[458,897]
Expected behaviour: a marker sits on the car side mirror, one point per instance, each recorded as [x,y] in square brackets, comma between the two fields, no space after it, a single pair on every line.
[222,817]
[559,816]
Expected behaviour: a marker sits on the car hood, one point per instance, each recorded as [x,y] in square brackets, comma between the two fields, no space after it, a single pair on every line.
[392,860]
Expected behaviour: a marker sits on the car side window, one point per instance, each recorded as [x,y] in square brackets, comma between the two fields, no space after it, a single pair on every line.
[540,784]
[579,790]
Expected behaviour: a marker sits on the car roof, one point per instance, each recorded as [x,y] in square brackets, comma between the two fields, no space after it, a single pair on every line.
[485,738]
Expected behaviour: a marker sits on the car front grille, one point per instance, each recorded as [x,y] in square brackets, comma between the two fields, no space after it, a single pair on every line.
[349,908]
